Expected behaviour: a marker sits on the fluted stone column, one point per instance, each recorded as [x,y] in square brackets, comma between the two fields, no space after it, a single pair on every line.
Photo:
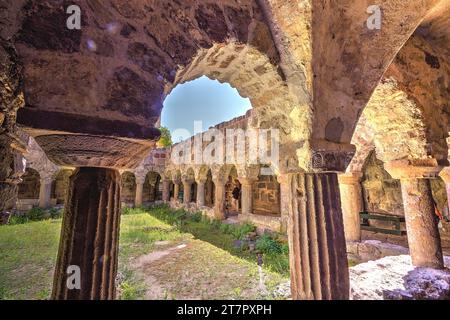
[351,201]
[246,195]
[421,222]
[318,257]
[45,191]
[219,205]
[187,186]
[201,193]
[166,191]
[90,235]
[445,175]
[139,191]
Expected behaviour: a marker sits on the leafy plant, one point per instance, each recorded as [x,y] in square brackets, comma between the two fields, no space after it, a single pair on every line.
[56,213]
[268,245]
[36,214]
[241,231]
[17,219]
[166,138]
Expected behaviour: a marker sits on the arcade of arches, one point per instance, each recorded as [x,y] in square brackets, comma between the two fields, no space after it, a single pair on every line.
[363,117]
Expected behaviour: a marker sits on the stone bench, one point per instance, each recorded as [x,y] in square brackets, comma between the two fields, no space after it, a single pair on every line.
[396,220]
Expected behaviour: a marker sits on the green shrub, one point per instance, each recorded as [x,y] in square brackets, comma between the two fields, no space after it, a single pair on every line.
[226,228]
[197,217]
[36,214]
[241,231]
[56,213]
[17,219]
[268,245]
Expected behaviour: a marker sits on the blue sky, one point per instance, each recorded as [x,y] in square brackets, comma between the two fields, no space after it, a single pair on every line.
[203,100]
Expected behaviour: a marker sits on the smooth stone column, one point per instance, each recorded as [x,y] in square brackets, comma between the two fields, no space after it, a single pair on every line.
[201,193]
[422,228]
[317,248]
[219,205]
[45,192]
[285,184]
[247,195]
[166,191]
[351,201]
[187,186]
[176,189]
[139,192]
[90,236]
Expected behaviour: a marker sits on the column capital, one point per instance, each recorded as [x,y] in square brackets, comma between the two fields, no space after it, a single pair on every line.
[328,156]
[445,174]
[413,169]
[350,178]
[187,180]
[139,179]
[246,180]
[201,180]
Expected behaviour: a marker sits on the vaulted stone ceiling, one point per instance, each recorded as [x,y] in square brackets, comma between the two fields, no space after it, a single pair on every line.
[309,67]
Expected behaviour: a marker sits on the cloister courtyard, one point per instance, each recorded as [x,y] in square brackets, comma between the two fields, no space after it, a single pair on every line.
[334,185]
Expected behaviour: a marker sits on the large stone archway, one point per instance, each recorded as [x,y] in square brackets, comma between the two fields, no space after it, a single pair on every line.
[302,74]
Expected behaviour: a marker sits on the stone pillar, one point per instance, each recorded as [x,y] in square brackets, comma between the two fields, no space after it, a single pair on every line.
[45,191]
[421,221]
[284,181]
[246,195]
[445,175]
[166,191]
[187,186]
[351,201]
[176,189]
[201,193]
[90,235]
[219,205]
[139,191]
[318,257]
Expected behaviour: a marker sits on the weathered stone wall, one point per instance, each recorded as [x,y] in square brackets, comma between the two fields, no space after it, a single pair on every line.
[266,196]
[11,99]
[152,190]
[381,192]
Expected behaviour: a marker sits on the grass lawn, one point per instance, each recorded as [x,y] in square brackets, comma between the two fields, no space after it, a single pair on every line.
[160,257]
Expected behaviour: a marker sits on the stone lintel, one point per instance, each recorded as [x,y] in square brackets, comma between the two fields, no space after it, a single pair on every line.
[83,124]
[413,169]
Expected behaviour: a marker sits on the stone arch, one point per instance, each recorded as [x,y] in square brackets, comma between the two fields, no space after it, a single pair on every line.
[30,185]
[189,177]
[209,189]
[128,187]
[228,41]
[365,58]
[152,189]
[266,195]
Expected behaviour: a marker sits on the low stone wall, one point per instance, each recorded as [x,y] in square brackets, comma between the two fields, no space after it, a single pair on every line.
[24,205]
[262,222]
